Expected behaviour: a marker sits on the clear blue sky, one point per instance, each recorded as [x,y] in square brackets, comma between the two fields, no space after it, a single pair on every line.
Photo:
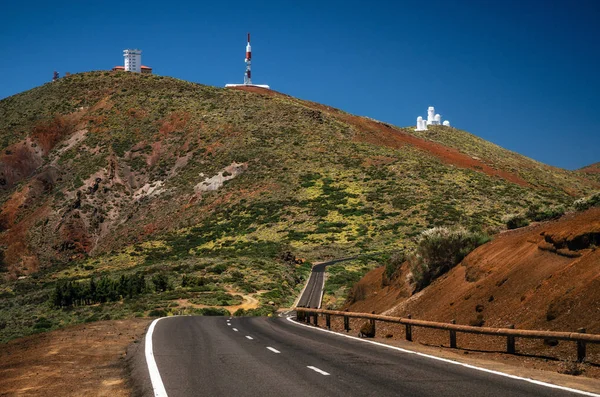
[523,74]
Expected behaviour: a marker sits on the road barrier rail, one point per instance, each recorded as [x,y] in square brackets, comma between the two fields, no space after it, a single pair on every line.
[580,337]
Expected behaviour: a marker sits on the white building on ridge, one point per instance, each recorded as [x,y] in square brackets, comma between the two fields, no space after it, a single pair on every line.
[133,63]
[432,119]
[133,60]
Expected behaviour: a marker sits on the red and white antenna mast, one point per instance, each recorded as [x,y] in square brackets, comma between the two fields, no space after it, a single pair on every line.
[248,74]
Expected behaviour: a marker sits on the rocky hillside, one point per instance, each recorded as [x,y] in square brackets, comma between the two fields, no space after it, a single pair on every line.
[544,276]
[110,173]
[100,161]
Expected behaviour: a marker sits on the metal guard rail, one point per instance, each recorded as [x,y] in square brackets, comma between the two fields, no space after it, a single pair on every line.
[580,336]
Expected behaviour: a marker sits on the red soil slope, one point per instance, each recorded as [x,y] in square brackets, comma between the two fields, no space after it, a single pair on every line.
[591,169]
[546,276]
[381,134]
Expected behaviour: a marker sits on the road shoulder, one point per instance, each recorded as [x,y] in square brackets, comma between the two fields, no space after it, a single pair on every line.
[85,359]
[517,366]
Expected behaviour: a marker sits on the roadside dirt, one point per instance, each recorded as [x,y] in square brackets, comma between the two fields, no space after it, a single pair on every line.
[543,277]
[82,360]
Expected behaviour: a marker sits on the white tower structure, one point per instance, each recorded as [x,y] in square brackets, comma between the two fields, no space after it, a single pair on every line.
[421,124]
[430,115]
[133,60]
[437,119]
[248,72]
[446,123]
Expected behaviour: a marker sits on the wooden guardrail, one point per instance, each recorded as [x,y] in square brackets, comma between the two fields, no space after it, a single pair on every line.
[580,337]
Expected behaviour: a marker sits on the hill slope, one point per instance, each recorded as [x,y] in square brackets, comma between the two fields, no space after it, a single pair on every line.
[592,172]
[544,276]
[110,173]
[98,161]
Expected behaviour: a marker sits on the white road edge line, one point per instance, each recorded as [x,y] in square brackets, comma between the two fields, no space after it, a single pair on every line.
[157,384]
[537,382]
[249,337]
[317,370]
[235,329]
[273,350]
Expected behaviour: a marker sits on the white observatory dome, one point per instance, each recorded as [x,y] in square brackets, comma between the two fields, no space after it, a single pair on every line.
[421,126]
[447,123]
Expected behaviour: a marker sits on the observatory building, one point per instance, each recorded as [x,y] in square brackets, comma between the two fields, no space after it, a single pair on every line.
[432,119]
[133,62]
[248,73]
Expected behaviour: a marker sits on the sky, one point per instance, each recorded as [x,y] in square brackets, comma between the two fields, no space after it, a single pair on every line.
[522,74]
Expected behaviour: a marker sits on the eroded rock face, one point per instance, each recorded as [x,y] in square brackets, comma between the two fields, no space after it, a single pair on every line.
[226,174]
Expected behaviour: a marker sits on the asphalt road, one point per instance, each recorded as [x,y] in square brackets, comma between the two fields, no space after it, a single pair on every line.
[313,293]
[260,356]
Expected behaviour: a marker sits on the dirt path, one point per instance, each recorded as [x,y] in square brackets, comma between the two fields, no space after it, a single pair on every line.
[250,301]
[82,360]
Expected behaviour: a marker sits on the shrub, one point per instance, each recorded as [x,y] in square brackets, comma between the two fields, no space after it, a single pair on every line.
[516,221]
[157,313]
[161,282]
[535,213]
[42,324]
[212,311]
[440,249]
[587,202]
[393,264]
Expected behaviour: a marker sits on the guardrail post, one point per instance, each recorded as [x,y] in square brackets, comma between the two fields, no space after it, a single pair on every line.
[510,342]
[300,316]
[316,319]
[328,320]
[409,330]
[581,347]
[346,323]
[373,324]
[307,318]
[452,335]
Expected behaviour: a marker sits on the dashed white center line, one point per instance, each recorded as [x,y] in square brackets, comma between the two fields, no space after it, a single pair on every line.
[318,370]
[249,337]
[235,329]
[273,350]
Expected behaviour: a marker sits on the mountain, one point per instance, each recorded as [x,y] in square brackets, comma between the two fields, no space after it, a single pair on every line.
[110,173]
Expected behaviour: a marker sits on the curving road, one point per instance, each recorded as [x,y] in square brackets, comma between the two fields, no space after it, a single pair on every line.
[313,292]
[260,356]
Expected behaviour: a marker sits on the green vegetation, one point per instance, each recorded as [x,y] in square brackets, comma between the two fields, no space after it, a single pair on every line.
[539,214]
[392,265]
[587,202]
[117,191]
[69,293]
[516,221]
[439,250]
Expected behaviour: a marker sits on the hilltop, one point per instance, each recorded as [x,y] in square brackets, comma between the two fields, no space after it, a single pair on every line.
[113,173]
[592,171]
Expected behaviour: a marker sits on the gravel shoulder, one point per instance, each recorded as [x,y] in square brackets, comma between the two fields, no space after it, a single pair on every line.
[82,360]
